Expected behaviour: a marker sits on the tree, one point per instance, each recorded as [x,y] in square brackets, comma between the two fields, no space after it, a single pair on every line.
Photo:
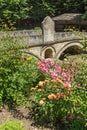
[18,10]
[40,9]
[13,9]
[85,8]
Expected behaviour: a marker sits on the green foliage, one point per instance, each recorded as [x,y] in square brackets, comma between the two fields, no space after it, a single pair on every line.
[52,109]
[13,9]
[18,72]
[51,105]
[81,78]
[40,9]
[77,125]
[84,16]
[12,125]
[37,28]
[54,101]
[69,4]
[6,25]
[30,9]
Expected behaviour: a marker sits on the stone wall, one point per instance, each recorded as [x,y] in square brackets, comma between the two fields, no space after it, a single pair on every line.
[30,37]
[65,36]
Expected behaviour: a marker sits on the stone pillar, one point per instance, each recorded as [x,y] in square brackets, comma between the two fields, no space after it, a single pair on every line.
[48,29]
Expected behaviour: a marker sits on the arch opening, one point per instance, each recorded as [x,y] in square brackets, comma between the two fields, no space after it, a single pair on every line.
[72,50]
[48,53]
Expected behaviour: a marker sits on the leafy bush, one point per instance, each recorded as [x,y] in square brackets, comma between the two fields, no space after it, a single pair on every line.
[77,124]
[18,72]
[81,78]
[57,98]
[12,125]
[52,101]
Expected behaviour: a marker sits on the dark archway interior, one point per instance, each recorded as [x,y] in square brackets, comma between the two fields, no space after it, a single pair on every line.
[48,53]
[70,51]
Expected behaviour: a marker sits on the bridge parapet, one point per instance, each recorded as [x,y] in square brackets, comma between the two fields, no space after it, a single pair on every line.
[25,33]
[46,35]
[30,37]
[66,36]
[35,37]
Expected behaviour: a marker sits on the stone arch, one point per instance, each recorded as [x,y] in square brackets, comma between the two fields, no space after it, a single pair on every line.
[68,45]
[48,52]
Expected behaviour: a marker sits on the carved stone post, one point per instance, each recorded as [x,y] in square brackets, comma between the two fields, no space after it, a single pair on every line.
[48,29]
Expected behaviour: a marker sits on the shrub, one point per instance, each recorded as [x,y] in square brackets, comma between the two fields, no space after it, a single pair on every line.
[77,124]
[51,101]
[18,72]
[57,98]
[81,78]
[12,125]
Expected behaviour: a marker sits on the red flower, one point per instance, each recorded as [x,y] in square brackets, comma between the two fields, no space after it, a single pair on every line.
[59,95]
[71,116]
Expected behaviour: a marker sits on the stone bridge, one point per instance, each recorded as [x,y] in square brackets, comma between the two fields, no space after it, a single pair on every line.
[46,43]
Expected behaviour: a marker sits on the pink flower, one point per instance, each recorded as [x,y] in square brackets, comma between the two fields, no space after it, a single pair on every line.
[44,70]
[50,62]
[63,70]
[43,67]
[66,76]
[57,68]
[55,71]
[53,74]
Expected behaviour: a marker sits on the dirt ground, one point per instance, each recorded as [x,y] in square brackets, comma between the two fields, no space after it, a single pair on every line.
[19,113]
